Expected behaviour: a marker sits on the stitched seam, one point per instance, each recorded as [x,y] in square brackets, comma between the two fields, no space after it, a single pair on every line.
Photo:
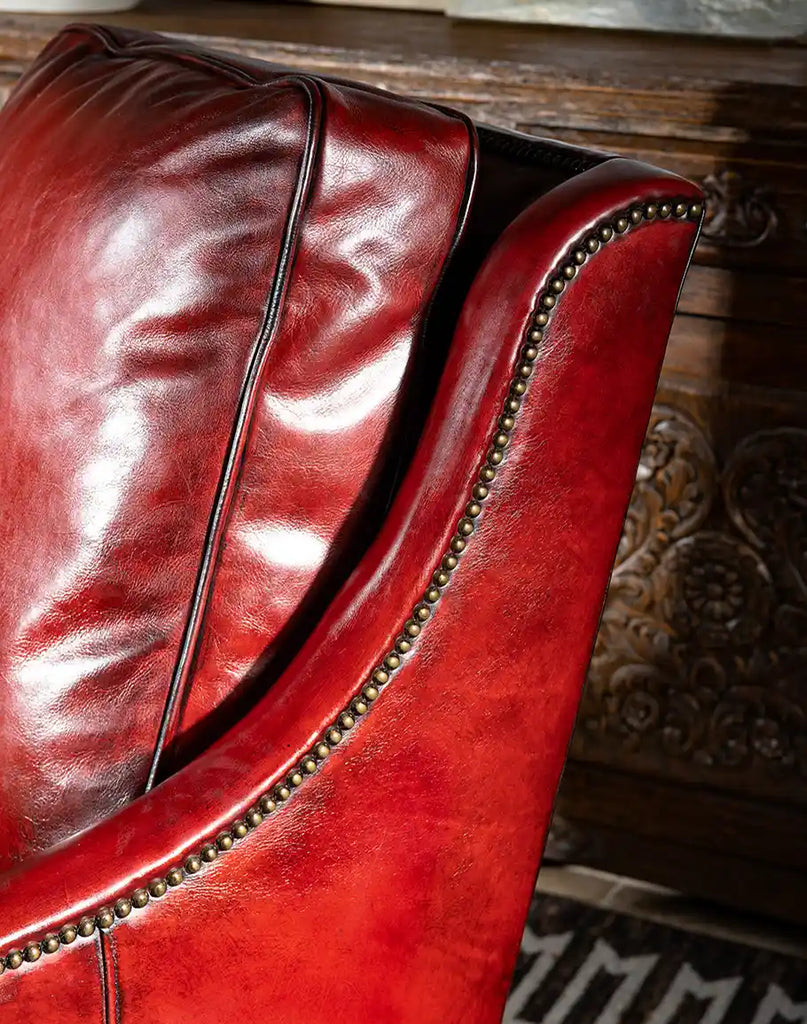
[272,801]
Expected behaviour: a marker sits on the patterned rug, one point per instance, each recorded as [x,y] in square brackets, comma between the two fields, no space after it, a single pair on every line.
[582,965]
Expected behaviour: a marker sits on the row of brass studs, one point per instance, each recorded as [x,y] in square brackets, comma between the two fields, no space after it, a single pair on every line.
[270,802]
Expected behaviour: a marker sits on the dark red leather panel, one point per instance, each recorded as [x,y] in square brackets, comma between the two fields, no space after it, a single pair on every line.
[74,991]
[428,821]
[197,378]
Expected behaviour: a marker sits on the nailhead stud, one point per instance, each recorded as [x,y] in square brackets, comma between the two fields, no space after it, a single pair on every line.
[105,917]
[140,898]
[123,907]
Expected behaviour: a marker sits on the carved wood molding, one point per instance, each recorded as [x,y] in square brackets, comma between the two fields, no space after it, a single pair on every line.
[701,657]
[738,215]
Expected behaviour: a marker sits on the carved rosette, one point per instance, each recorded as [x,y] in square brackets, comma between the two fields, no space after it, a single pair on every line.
[702,650]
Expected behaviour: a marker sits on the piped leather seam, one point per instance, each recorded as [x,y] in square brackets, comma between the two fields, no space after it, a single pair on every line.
[281,792]
[242,422]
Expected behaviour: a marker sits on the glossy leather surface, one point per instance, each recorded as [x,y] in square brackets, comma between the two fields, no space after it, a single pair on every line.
[215,290]
[428,822]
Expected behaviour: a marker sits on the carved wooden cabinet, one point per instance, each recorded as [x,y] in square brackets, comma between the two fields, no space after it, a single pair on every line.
[689,762]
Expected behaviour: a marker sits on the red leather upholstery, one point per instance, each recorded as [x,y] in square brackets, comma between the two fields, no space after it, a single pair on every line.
[364,842]
[214,294]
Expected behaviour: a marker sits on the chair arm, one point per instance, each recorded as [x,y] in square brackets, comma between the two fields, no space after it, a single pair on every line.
[411,849]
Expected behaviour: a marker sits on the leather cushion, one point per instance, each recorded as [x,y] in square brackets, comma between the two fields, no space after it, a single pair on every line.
[213,284]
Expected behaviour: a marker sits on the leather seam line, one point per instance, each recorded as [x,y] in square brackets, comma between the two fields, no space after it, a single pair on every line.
[241,425]
[271,802]
[108,970]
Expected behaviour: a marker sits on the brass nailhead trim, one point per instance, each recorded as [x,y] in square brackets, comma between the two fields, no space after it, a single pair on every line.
[268,804]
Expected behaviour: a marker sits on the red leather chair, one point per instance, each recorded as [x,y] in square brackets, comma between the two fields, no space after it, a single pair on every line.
[298,592]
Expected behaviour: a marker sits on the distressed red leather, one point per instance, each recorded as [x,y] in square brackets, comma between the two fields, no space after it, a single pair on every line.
[208,317]
[380,866]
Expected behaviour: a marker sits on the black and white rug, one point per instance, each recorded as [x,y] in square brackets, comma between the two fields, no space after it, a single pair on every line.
[582,965]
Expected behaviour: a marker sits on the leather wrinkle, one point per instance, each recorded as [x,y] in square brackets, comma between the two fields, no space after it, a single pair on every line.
[192,634]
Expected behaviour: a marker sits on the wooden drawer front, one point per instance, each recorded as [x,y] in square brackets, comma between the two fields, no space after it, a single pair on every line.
[700,666]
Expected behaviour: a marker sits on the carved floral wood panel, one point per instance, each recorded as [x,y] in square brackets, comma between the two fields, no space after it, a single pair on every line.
[701,659]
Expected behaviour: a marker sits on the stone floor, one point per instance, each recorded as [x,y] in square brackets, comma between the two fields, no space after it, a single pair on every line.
[654,903]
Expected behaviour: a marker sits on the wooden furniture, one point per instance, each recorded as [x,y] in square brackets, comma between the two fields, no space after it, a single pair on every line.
[689,763]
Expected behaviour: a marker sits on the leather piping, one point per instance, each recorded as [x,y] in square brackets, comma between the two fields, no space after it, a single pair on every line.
[241,426]
[603,233]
